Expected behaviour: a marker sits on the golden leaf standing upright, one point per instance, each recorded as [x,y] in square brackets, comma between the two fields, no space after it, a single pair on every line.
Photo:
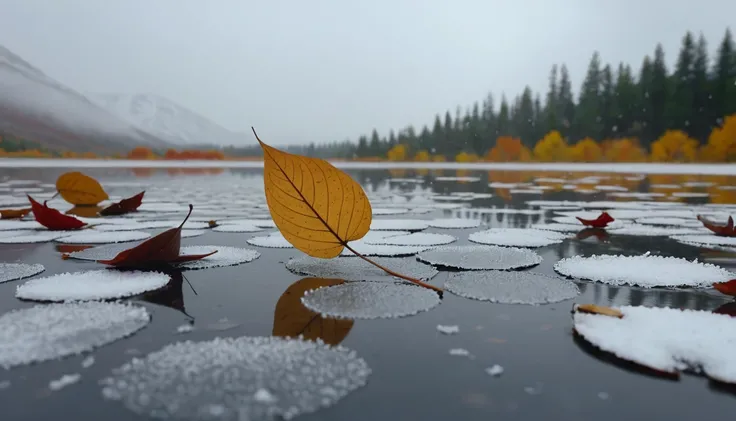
[79,189]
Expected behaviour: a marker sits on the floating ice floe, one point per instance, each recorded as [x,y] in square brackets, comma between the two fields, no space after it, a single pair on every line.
[225,256]
[260,223]
[399,225]
[494,370]
[511,287]
[606,187]
[448,329]
[370,300]
[91,285]
[246,378]
[656,231]
[706,240]
[467,179]
[51,331]
[273,240]
[12,224]
[689,195]
[459,352]
[351,269]
[382,250]
[415,239]
[480,257]
[90,237]
[64,381]
[517,237]
[237,228]
[666,339]
[192,233]
[670,222]
[454,223]
[558,227]
[16,233]
[390,211]
[14,271]
[34,237]
[645,271]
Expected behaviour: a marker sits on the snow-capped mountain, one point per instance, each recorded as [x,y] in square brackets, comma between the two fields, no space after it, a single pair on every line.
[163,118]
[35,106]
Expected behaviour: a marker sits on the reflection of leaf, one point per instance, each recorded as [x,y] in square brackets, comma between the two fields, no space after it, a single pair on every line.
[599,233]
[124,206]
[14,213]
[160,250]
[728,308]
[170,295]
[317,207]
[52,218]
[85,211]
[79,189]
[292,319]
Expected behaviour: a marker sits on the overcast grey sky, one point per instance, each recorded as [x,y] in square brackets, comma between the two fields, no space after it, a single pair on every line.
[314,70]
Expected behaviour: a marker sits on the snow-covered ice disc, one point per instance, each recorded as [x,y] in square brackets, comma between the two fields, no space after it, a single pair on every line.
[645,271]
[91,285]
[34,237]
[16,233]
[225,256]
[454,223]
[389,211]
[507,287]
[350,269]
[517,237]
[370,300]
[383,250]
[15,271]
[237,379]
[670,222]
[666,339]
[399,225]
[558,227]
[415,239]
[260,223]
[191,233]
[706,240]
[107,252]
[480,257]
[89,237]
[274,240]
[655,231]
[12,224]
[51,331]
[237,228]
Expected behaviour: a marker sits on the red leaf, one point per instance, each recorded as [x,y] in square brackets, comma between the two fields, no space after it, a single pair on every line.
[601,221]
[124,206]
[14,213]
[726,230]
[53,219]
[728,288]
[160,250]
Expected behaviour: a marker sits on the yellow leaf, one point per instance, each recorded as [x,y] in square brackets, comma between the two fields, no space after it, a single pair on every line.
[79,189]
[291,318]
[317,207]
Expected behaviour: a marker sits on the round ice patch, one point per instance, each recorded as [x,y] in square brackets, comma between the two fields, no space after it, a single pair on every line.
[383,250]
[52,331]
[454,223]
[370,300]
[15,271]
[415,239]
[511,287]
[705,240]
[237,228]
[246,378]
[517,237]
[645,271]
[654,231]
[558,227]
[480,257]
[11,224]
[225,256]
[389,211]
[34,237]
[275,240]
[350,269]
[104,237]
[399,225]
[91,285]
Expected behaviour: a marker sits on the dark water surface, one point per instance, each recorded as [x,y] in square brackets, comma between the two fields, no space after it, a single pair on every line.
[548,374]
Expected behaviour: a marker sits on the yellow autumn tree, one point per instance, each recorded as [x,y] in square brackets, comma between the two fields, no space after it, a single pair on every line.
[422,156]
[674,146]
[721,146]
[466,157]
[397,153]
[623,150]
[552,148]
[508,149]
[586,150]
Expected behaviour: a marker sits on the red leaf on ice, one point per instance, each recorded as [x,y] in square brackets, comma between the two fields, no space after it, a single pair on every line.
[53,219]
[724,230]
[124,206]
[728,288]
[601,221]
[160,250]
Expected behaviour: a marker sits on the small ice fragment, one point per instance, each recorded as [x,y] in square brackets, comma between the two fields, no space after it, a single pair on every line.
[495,370]
[216,410]
[64,381]
[534,390]
[185,328]
[603,395]
[87,362]
[448,329]
[459,352]
[264,396]
[4,384]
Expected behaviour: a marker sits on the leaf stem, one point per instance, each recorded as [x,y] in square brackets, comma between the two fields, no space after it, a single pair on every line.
[396,274]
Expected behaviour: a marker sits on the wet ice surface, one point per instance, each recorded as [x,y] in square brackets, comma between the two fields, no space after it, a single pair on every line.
[225,256]
[511,287]
[370,300]
[666,339]
[46,332]
[480,257]
[89,237]
[91,285]
[248,378]
[352,269]
[15,271]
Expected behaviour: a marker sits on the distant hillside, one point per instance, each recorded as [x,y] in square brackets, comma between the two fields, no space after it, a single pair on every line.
[39,108]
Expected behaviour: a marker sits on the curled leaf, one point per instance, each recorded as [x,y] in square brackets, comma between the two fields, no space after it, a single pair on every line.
[53,219]
[79,189]
[124,206]
[601,221]
[728,288]
[160,250]
[594,309]
[14,213]
[724,230]
[291,318]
